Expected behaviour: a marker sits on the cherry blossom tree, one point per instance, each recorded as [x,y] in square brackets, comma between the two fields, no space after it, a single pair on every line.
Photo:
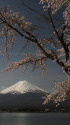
[12,24]
[52,6]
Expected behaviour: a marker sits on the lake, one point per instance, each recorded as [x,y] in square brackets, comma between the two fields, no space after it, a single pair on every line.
[34,118]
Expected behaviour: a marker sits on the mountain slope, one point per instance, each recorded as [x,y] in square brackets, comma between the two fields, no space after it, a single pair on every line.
[22,87]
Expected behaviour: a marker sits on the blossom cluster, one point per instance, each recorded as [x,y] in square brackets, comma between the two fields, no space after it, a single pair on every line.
[56,5]
[10,21]
[62,90]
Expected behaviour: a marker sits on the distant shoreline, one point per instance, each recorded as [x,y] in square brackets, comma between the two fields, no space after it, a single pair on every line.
[34,111]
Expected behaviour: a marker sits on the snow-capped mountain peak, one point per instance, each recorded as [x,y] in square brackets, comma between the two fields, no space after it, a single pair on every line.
[22,87]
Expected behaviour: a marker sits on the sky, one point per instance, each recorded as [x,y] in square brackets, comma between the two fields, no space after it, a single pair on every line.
[54,73]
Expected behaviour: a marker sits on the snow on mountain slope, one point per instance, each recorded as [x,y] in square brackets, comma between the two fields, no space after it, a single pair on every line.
[22,87]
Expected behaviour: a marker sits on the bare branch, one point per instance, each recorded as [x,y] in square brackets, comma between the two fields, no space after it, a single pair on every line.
[37,12]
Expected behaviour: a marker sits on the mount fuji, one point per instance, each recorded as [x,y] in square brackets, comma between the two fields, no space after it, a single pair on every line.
[22,87]
[22,96]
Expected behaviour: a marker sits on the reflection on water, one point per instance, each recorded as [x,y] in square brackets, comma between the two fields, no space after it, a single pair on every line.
[34,119]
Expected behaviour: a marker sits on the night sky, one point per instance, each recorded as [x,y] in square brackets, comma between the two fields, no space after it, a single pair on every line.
[54,72]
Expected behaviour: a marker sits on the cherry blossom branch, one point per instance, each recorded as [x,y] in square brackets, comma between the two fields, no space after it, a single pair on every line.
[48,55]
[27,35]
[62,90]
[60,38]
[27,60]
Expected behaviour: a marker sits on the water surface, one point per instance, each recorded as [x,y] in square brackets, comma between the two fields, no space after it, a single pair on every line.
[34,118]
